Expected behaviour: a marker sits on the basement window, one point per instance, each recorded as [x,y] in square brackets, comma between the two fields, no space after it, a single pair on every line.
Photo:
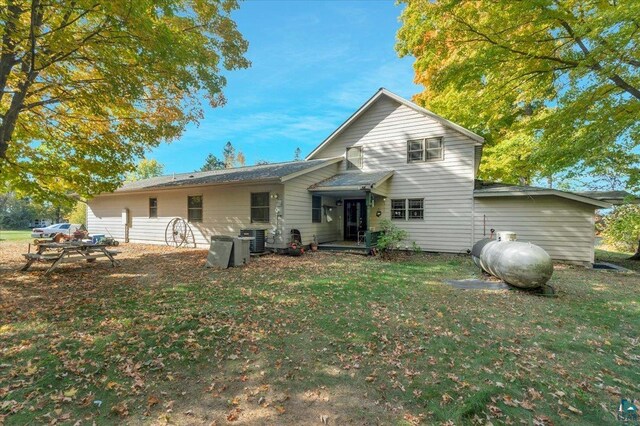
[194,208]
[398,209]
[153,207]
[259,207]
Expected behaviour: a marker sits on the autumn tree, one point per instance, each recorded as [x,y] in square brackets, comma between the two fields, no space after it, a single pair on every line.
[553,85]
[87,86]
[79,214]
[146,169]
[212,163]
[241,159]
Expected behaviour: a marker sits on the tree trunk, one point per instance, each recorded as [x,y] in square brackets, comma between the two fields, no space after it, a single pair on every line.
[636,256]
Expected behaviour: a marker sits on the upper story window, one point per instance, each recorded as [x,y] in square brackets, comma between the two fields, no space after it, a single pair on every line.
[316,209]
[354,158]
[153,207]
[426,149]
[259,207]
[194,208]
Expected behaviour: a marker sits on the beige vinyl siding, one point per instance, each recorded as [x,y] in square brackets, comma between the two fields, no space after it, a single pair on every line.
[446,185]
[564,228]
[226,210]
[297,208]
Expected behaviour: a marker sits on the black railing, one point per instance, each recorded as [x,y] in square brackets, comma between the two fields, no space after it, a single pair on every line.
[371,238]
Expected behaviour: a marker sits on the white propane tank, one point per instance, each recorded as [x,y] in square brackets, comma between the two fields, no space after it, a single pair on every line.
[523,265]
[506,236]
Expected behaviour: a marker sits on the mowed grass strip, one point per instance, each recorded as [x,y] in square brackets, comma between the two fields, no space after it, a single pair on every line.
[295,340]
[21,235]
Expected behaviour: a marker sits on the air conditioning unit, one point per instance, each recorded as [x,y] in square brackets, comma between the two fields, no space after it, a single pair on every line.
[259,238]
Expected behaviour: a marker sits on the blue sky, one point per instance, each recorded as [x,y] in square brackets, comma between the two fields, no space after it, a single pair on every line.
[313,64]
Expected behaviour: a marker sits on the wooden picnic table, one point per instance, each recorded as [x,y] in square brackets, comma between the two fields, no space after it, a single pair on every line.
[72,251]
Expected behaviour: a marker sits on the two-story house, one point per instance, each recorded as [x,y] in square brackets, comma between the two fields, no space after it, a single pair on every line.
[392,159]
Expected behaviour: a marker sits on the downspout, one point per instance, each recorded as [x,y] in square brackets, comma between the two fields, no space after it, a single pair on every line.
[473,219]
[473,201]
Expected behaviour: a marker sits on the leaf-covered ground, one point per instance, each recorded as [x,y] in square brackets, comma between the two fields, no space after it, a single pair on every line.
[322,339]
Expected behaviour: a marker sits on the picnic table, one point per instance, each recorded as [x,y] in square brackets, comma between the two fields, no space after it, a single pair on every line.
[66,252]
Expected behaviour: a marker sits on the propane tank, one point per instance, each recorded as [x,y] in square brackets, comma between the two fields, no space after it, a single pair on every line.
[523,265]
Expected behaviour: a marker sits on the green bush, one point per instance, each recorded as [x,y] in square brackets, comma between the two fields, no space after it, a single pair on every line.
[391,237]
[622,227]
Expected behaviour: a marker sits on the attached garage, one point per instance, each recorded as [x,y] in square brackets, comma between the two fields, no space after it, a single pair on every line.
[563,223]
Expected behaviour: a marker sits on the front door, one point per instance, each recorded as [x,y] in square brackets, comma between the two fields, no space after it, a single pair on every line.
[355,218]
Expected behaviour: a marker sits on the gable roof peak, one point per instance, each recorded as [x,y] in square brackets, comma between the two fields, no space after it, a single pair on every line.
[385,92]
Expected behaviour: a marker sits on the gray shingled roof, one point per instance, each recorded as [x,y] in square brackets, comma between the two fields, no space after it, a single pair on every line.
[351,180]
[613,197]
[488,188]
[484,187]
[240,174]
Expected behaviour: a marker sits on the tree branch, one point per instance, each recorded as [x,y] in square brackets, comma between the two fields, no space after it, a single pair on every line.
[511,49]
[595,66]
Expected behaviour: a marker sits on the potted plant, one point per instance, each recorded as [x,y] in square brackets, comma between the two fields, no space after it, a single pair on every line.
[295,249]
[314,244]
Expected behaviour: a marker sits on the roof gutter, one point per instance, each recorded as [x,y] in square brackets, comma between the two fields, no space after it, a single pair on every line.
[570,196]
[365,188]
[178,187]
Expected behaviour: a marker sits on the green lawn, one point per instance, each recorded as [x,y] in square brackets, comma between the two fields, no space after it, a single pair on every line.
[15,235]
[161,339]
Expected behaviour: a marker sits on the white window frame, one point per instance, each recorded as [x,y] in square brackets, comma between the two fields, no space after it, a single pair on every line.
[317,210]
[415,209]
[155,216]
[403,210]
[201,208]
[350,165]
[407,209]
[262,207]
[425,149]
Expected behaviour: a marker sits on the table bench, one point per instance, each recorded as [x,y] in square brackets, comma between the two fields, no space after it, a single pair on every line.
[68,252]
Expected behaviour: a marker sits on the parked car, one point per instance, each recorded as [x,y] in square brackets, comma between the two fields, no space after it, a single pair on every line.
[50,231]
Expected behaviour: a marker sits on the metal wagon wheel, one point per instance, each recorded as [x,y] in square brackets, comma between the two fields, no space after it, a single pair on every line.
[178,233]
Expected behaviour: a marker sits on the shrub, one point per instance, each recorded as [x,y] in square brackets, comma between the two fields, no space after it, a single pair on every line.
[391,237]
[622,227]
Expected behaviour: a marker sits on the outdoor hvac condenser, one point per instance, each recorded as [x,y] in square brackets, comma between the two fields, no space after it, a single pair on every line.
[258,235]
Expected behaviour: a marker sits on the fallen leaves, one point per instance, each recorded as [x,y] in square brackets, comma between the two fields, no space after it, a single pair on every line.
[152,400]
[234,415]
[121,409]
[387,332]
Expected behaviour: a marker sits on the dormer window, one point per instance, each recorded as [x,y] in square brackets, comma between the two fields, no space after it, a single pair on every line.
[354,158]
[426,149]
